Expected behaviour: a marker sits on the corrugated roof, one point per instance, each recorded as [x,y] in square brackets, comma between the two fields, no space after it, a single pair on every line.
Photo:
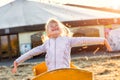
[23,12]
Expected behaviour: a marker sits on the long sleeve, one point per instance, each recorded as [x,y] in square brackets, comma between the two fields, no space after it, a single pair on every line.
[35,51]
[80,41]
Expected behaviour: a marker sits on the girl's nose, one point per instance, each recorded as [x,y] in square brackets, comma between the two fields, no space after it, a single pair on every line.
[54,26]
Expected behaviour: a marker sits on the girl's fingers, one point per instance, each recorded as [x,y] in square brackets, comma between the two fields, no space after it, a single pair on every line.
[14,70]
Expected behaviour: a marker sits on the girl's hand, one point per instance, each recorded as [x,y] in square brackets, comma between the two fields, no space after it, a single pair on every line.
[107,45]
[14,70]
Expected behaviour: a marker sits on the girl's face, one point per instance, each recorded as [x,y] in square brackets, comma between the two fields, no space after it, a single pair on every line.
[54,30]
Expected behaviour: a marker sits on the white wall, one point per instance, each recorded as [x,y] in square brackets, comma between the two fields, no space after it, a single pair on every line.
[25,39]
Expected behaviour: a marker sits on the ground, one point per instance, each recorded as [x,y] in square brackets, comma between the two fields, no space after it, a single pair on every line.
[104,67]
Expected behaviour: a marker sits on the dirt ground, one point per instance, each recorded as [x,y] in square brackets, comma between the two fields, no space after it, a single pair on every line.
[103,68]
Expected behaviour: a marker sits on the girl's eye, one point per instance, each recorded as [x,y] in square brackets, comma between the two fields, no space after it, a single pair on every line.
[56,25]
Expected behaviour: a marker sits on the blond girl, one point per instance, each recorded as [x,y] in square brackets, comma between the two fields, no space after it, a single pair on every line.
[57,45]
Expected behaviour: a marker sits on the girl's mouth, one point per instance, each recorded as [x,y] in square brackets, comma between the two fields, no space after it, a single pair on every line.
[55,29]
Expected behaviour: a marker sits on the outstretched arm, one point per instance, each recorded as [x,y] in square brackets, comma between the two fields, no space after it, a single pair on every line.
[89,41]
[35,51]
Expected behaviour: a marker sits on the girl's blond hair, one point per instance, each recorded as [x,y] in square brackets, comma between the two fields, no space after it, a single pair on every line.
[65,30]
